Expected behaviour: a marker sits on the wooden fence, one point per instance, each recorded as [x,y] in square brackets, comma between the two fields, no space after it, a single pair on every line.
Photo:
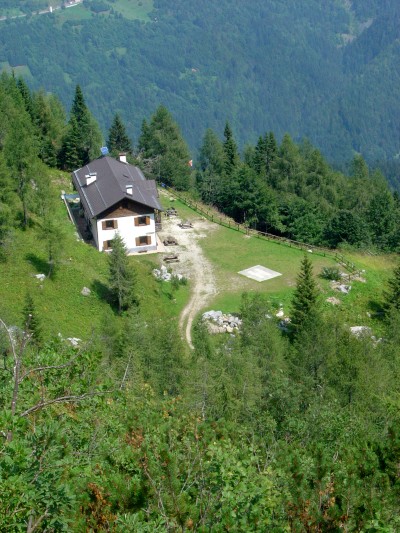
[218,218]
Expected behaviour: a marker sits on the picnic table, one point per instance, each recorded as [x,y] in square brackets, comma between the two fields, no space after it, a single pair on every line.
[185,224]
[170,241]
[171,212]
[172,258]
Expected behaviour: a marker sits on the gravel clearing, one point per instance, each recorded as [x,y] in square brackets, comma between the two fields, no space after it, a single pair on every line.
[192,264]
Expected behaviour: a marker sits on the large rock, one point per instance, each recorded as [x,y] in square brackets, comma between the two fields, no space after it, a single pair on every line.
[85,291]
[345,289]
[361,331]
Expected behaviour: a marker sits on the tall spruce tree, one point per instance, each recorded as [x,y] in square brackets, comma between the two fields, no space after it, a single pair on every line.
[232,158]
[305,298]
[83,138]
[163,150]
[122,278]
[32,324]
[392,293]
[211,161]
[118,140]
[49,117]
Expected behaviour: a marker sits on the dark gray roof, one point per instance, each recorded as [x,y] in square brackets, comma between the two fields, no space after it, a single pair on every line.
[109,188]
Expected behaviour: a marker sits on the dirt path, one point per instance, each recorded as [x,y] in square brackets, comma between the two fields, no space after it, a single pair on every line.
[193,265]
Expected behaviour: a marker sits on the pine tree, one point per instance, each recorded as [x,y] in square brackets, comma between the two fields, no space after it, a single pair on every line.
[211,161]
[20,149]
[70,154]
[50,121]
[118,140]
[392,294]
[83,138]
[259,163]
[31,322]
[145,138]
[26,96]
[271,151]
[122,279]
[79,109]
[305,298]
[165,151]
[231,152]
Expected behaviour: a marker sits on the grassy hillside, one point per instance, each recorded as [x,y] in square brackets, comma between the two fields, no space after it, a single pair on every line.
[231,251]
[60,305]
[64,310]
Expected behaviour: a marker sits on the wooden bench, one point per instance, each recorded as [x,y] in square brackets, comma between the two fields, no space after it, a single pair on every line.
[185,224]
[170,241]
[173,258]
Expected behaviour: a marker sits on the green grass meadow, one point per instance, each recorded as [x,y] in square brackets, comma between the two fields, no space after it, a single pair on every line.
[62,308]
[58,301]
[133,9]
[231,251]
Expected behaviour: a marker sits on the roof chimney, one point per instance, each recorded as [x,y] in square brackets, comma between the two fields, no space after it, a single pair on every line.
[122,157]
[91,178]
[129,189]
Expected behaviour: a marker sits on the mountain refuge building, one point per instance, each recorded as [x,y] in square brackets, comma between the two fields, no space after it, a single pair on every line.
[116,197]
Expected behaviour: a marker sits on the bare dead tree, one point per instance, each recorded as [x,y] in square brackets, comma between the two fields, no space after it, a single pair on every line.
[19,374]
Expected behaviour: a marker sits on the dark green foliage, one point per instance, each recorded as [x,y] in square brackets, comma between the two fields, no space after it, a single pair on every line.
[305,298]
[257,432]
[118,140]
[122,279]
[309,69]
[346,226]
[31,322]
[230,151]
[49,118]
[164,153]
[290,190]
[331,273]
[83,139]
[392,294]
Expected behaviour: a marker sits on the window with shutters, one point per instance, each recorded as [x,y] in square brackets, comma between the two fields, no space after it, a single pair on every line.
[107,245]
[143,240]
[142,221]
[110,224]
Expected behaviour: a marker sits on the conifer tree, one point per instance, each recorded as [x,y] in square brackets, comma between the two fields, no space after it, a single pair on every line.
[271,151]
[31,321]
[392,294]
[122,279]
[20,148]
[26,97]
[49,118]
[211,161]
[83,138]
[164,150]
[305,298]
[259,156]
[118,140]
[231,152]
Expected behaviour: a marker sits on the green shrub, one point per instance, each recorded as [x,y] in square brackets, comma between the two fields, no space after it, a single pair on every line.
[331,273]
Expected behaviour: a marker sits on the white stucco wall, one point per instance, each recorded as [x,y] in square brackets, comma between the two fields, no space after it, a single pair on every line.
[129,232]
[93,227]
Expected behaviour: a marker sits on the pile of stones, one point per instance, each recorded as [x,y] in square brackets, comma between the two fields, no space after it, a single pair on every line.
[162,274]
[218,322]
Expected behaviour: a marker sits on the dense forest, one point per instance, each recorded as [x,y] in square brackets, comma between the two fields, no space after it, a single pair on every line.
[329,73]
[269,430]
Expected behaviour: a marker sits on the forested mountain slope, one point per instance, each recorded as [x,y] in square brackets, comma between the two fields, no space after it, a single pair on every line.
[124,429]
[327,71]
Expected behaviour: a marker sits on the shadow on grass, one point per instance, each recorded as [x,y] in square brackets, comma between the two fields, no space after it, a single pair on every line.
[40,264]
[101,291]
[377,310]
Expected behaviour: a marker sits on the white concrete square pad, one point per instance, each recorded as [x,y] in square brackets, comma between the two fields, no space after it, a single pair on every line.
[259,273]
